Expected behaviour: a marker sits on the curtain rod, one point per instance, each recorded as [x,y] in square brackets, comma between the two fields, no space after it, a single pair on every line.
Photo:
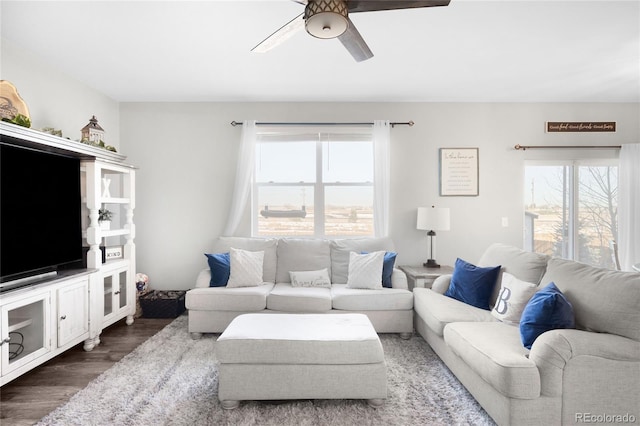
[393,124]
[525,147]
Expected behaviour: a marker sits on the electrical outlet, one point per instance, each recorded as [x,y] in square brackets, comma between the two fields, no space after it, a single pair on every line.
[505,222]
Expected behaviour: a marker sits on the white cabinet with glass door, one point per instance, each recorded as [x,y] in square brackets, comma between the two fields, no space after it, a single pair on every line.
[38,323]
[110,187]
[26,332]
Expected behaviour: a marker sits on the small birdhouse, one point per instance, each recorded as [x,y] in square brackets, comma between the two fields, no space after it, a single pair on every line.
[92,132]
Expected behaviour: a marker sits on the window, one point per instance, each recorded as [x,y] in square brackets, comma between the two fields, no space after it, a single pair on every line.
[313,185]
[571,210]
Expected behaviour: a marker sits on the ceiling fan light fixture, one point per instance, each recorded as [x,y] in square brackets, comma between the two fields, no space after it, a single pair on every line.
[326,18]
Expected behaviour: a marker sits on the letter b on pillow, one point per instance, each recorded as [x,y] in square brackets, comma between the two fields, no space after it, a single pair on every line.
[513,297]
[501,303]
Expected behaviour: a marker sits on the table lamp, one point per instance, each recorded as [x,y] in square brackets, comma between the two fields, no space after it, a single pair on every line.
[433,219]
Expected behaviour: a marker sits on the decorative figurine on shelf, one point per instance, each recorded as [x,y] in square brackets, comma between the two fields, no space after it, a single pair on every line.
[92,132]
[142,287]
[12,108]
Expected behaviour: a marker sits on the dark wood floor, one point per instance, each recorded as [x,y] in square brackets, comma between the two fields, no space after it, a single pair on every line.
[35,394]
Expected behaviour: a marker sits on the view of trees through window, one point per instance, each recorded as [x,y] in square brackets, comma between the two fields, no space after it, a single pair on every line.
[313,188]
[571,212]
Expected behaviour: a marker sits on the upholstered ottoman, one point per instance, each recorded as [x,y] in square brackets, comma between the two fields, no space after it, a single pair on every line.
[300,356]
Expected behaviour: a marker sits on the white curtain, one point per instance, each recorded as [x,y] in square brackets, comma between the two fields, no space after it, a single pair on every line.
[629,206]
[246,164]
[381,176]
[244,172]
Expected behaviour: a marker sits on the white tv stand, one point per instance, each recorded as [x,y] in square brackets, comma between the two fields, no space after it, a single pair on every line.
[50,316]
[42,320]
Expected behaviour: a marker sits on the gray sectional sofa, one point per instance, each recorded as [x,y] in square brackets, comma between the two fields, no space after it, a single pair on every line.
[390,310]
[570,376]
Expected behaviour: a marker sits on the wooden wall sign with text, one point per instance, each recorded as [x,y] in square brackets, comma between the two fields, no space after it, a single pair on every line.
[581,126]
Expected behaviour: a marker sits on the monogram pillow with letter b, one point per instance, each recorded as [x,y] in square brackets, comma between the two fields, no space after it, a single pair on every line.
[512,299]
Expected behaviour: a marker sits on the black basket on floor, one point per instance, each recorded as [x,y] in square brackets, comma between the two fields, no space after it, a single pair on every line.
[163,303]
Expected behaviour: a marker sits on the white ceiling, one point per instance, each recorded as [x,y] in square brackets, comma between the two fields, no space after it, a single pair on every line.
[469,51]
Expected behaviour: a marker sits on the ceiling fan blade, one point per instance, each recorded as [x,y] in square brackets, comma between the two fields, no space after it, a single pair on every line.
[373,5]
[281,35]
[355,44]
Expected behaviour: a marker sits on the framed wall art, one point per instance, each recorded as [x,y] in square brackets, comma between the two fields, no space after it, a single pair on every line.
[459,172]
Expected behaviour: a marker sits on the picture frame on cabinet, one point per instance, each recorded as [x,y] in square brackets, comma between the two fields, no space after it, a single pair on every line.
[114,252]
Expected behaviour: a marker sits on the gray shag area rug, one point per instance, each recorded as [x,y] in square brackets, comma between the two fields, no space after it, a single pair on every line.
[173,380]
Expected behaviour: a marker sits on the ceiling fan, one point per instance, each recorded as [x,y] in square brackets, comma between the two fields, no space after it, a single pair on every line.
[330,19]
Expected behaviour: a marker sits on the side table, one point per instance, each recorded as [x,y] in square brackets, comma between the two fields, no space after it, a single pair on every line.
[419,276]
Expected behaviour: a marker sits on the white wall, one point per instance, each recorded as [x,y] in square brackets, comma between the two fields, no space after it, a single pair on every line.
[187,155]
[56,100]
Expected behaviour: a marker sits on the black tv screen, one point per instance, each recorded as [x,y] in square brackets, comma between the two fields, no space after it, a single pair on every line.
[40,212]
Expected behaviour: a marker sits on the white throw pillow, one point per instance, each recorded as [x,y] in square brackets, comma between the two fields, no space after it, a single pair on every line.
[365,270]
[512,298]
[318,278]
[245,268]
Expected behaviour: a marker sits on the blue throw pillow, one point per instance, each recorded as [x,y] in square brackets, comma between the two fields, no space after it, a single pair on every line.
[548,309]
[472,284]
[387,267]
[220,265]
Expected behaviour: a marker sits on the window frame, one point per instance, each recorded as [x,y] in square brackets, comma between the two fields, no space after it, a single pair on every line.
[319,186]
[573,189]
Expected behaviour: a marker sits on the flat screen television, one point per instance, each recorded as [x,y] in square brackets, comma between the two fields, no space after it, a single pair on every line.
[40,213]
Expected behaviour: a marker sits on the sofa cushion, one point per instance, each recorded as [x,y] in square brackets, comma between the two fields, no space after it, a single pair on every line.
[286,298]
[603,300]
[365,270]
[513,297]
[245,268]
[224,244]
[220,266]
[341,248]
[385,299]
[472,284]
[547,310]
[524,265]
[244,299]
[438,310]
[301,255]
[494,352]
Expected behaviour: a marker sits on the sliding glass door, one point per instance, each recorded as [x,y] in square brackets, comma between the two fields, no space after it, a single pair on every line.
[571,210]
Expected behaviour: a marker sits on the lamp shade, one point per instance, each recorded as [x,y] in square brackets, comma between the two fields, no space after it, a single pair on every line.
[433,219]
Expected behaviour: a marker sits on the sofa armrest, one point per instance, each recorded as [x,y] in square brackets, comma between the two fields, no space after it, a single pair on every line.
[399,279]
[558,351]
[441,284]
[204,277]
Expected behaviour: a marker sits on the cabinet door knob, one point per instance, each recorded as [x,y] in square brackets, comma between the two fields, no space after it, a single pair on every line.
[6,340]
[116,292]
[63,317]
